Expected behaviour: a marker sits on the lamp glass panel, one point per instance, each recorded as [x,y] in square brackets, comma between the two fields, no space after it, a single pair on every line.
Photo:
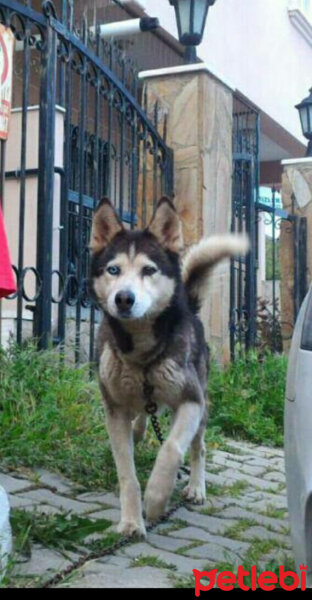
[200,7]
[304,119]
[310,119]
[184,7]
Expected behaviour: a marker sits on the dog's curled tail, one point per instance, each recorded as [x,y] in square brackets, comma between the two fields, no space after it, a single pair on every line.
[200,259]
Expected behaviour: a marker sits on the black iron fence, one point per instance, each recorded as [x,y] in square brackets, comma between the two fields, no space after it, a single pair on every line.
[256,317]
[81,131]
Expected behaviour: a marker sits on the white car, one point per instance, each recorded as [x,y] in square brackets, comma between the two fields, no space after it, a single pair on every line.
[5,532]
[298,438]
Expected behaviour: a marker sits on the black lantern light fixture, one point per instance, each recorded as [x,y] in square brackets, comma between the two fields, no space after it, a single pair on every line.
[305,112]
[191,18]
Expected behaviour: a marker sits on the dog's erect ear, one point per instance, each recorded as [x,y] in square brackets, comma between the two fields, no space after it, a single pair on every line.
[105,226]
[166,226]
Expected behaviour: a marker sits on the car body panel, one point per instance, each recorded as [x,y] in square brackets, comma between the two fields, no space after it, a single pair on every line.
[298,444]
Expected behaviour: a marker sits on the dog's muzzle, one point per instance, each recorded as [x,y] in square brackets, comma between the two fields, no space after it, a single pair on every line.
[124,301]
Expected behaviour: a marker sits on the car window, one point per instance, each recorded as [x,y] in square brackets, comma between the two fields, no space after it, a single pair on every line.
[306,338]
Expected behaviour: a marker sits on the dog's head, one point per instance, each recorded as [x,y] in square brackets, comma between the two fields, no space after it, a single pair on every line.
[135,273]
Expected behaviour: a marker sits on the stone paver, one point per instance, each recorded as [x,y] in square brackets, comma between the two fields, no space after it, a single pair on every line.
[212,524]
[111,514]
[234,512]
[109,499]
[17,501]
[197,534]
[44,562]
[47,497]
[111,576]
[214,553]
[13,484]
[61,484]
[183,564]
[195,537]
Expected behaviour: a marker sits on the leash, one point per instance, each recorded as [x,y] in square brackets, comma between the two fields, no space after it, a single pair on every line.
[121,543]
[151,409]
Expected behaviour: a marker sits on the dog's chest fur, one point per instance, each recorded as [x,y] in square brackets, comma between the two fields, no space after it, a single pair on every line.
[124,380]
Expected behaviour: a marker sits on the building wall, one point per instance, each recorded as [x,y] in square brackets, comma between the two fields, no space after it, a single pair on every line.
[254,45]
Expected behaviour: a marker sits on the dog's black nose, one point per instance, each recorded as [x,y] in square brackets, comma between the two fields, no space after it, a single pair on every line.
[124,301]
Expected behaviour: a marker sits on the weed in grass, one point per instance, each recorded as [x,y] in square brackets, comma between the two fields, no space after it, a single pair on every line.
[194,544]
[61,531]
[151,561]
[213,489]
[215,470]
[274,513]
[236,489]
[181,582]
[210,510]
[104,542]
[259,548]
[235,532]
[232,449]
[175,525]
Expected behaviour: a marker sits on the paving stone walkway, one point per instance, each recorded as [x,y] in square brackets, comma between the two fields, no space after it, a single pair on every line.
[245,515]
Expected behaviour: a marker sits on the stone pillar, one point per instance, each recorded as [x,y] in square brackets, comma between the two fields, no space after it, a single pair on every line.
[297,200]
[199,131]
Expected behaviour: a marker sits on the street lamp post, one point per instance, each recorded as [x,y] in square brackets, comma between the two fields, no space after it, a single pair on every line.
[191,18]
[305,112]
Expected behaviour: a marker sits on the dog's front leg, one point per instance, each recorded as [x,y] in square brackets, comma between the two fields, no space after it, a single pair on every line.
[121,438]
[162,479]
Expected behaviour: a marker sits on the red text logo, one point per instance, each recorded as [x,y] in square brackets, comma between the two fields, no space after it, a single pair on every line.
[267,580]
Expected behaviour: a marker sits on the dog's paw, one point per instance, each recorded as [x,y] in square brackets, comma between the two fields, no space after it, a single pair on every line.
[155,505]
[132,529]
[194,494]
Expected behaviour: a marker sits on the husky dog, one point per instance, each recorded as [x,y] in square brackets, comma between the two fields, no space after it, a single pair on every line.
[151,334]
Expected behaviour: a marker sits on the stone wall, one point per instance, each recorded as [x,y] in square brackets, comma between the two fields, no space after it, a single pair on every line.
[199,130]
[297,200]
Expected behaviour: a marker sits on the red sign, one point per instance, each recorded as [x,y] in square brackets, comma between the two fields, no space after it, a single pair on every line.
[6,68]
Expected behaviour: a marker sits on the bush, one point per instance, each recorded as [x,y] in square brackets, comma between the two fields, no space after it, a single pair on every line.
[247,398]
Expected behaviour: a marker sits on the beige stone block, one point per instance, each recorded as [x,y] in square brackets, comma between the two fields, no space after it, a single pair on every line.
[187,157]
[184,116]
[186,199]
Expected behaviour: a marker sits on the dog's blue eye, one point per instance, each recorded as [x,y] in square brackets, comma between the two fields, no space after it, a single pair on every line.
[149,271]
[113,270]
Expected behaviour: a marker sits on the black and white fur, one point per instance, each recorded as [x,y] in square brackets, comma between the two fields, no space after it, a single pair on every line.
[151,329]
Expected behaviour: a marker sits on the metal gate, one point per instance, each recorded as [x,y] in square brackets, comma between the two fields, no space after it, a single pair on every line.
[255,313]
[81,131]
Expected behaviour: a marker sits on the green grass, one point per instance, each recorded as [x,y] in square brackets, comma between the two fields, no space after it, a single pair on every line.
[51,414]
[247,399]
[151,561]
[235,532]
[61,531]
